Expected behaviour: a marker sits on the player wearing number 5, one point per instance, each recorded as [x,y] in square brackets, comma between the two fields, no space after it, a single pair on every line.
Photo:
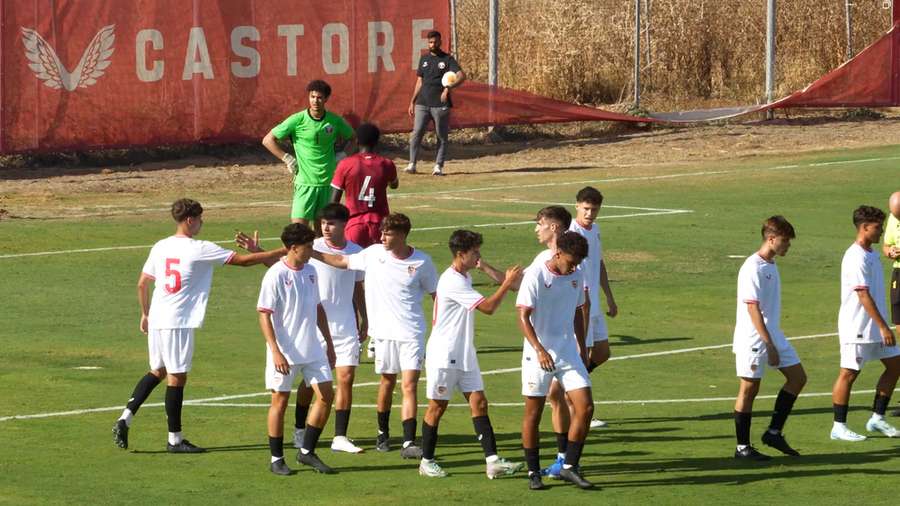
[181,269]
[365,177]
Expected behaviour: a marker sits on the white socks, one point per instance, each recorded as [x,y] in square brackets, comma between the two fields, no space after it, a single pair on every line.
[492,459]
[175,438]
[127,415]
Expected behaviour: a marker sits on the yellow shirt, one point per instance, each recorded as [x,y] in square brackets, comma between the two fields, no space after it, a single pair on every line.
[892,235]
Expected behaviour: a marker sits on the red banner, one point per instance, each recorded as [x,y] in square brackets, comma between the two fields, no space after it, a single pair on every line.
[80,74]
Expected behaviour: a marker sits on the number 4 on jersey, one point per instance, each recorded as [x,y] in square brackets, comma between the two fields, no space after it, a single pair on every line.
[370,198]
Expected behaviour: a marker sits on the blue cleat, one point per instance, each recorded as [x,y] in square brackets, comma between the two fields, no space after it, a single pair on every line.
[554,469]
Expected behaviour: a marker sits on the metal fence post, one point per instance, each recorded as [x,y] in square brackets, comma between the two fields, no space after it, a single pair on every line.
[770,55]
[848,6]
[493,49]
[637,54]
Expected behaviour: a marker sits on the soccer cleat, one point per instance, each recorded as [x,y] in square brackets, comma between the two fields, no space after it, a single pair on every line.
[750,453]
[312,460]
[534,481]
[881,425]
[120,434]
[778,442]
[598,424]
[383,442]
[431,469]
[553,470]
[502,467]
[298,437]
[895,412]
[842,433]
[280,468]
[344,444]
[573,475]
[411,452]
[370,350]
[184,446]
[438,171]
[410,169]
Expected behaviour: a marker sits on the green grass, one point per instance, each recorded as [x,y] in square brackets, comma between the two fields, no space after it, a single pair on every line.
[673,280]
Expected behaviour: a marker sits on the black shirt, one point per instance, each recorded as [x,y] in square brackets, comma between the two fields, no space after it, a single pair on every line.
[431,69]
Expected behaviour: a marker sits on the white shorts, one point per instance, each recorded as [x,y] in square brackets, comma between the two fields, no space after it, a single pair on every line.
[391,356]
[570,373]
[171,349]
[597,331]
[752,364]
[346,350]
[853,356]
[442,382]
[313,372]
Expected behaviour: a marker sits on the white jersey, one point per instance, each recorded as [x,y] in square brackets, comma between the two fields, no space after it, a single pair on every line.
[758,283]
[336,288]
[452,341]
[182,269]
[540,259]
[591,264]
[291,297]
[860,269]
[554,299]
[394,291]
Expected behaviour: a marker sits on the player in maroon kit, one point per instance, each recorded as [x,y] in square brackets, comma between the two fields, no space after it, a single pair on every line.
[365,178]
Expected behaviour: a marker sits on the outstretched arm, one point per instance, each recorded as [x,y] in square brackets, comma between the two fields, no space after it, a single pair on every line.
[490,304]
[491,272]
[337,261]
[258,255]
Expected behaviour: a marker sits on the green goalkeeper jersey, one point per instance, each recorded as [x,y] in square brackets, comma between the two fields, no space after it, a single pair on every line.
[313,141]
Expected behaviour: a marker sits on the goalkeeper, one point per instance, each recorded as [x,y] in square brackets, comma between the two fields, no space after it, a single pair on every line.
[317,135]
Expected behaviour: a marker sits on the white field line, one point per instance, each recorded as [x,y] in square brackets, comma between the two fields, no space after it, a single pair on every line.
[216,400]
[421,229]
[113,210]
[520,404]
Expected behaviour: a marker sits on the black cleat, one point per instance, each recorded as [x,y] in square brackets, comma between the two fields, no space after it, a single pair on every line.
[411,452]
[895,412]
[534,481]
[750,453]
[184,446]
[383,442]
[312,460]
[120,434]
[778,442]
[573,475]
[280,468]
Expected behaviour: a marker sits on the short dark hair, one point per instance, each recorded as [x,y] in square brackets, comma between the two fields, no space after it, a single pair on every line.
[574,244]
[558,214]
[867,214]
[297,234]
[462,241]
[590,195]
[433,34]
[396,222]
[778,226]
[367,135]
[320,86]
[334,211]
[183,209]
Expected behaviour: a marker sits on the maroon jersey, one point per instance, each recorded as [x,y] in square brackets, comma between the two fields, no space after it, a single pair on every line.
[364,178]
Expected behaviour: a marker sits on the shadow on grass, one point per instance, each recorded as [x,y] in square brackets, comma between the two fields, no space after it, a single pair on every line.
[213,449]
[624,340]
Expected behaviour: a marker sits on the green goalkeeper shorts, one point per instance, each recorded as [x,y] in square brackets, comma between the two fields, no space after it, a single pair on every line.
[308,200]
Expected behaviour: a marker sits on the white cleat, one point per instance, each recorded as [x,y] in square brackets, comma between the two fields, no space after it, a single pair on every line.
[598,424]
[842,433]
[410,169]
[438,171]
[502,467]
[431,469]
[298,437]
[344,444]
[881,425]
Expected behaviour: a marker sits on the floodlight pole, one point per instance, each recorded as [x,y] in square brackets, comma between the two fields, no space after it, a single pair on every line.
[849,18]
[770,56]
[637,54]
[493,49]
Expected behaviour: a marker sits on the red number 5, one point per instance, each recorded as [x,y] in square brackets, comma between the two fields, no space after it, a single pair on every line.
[176,282]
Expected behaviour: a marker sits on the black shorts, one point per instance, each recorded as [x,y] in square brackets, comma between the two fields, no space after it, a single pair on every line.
[895,296]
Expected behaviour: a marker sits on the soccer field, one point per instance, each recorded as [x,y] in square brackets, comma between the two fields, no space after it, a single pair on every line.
[674,238]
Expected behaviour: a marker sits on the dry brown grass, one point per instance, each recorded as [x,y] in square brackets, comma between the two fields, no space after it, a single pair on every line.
[702,51]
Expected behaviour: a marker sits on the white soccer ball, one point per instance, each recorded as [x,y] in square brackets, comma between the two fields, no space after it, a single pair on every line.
[448,78]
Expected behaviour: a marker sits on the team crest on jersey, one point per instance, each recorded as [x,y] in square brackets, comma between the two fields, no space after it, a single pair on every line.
[768,276]
[753,367]
[441,65]
[424,64]
[574,284]
[288,282]
[441,389]
[548,285]
[329,128]
[411,270]
[312,278]
[859,360]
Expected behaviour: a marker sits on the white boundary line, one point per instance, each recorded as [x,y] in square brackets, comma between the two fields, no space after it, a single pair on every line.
[650,212]
[215,400]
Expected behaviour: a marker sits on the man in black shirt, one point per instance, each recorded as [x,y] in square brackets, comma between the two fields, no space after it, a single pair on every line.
[431,101]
